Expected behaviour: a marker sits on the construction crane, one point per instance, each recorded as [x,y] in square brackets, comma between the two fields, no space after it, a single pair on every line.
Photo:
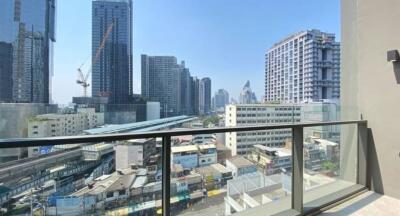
[83,78]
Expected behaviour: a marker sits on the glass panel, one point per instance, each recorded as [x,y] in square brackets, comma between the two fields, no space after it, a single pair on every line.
[104,178]
[330,163]
[227,173]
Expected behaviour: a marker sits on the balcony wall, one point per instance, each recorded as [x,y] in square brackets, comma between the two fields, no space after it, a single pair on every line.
[369,86]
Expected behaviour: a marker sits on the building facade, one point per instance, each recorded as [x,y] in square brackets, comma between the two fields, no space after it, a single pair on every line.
[112,62]
[192,156]
[50,125]
[271,160]
[205,96]
[184,90]
[26,50]
[195,93]
[160,82]
[135,152]
[303,67]
[6,81]
[253,114]
[170,83]
[240,166]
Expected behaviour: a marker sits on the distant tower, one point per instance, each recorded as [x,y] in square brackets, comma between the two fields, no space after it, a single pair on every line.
[247,96]
[205,96]
[221,98]
[112,71]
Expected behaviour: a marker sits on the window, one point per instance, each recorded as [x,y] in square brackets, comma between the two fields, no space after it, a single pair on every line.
[121,192]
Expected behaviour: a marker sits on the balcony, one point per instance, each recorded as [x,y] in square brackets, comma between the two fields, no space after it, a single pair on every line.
[66,181]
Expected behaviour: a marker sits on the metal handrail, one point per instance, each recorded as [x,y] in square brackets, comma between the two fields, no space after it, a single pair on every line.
[297,150]
[33,142]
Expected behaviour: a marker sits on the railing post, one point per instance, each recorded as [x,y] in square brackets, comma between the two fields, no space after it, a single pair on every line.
[166,175]
[297,169]
[362,153]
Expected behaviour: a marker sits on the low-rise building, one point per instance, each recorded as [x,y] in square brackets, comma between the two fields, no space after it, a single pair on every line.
[61,124]
[108,189]
[240,166]
[223,153]
[192,156]
[314,157]
[135,152]
[207,154]
[271,160]
[50,125]
[214,176]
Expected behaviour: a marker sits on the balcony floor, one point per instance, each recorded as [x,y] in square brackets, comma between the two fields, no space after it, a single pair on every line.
[367,204]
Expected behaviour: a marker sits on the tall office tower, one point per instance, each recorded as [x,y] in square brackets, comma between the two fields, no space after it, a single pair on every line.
[205,96]
[185,90]
[195,93]
[112,64]
[247,96]
[26,50]
[221,98]
[303,67]
[5,72]
[161,82]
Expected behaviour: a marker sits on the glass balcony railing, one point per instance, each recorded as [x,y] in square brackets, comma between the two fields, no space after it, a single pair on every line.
[186,171]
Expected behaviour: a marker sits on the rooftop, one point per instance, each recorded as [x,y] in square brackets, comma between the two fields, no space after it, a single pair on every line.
[122,183]
[282,152]
[188,148]
[240,161]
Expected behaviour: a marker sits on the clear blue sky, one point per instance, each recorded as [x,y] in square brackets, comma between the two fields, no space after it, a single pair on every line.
[223,39]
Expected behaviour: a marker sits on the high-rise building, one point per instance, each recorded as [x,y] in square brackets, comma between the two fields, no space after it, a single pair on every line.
[26,40]
[221,98]
[170,83]
[6,72]
[160,82]
[247,96]
[185,90]
[303,67]
[112,64]
[205,96]
[194,99]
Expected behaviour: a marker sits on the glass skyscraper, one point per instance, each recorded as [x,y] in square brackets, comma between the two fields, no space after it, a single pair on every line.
[112,68]
[27,33]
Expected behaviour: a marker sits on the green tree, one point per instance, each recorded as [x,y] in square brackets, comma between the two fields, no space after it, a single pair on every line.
[328,165]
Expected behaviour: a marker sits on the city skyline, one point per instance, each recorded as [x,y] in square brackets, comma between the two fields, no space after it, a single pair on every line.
[207,41]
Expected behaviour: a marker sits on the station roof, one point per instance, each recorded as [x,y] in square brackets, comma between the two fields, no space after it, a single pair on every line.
[141,126]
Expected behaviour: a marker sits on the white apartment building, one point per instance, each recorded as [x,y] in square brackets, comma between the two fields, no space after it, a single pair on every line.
[255,114]
[51,125]
[303,67]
